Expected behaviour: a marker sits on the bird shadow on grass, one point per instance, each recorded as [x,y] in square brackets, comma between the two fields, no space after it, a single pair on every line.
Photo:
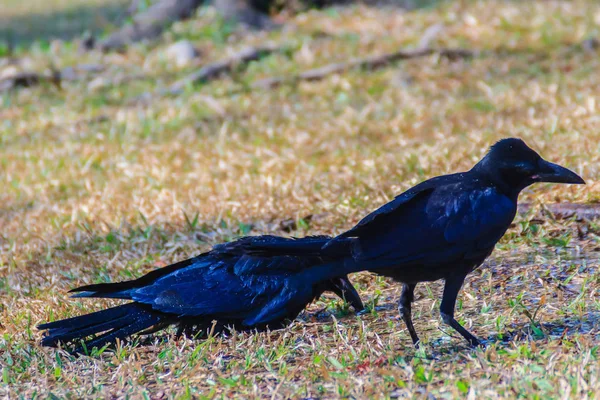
[559,329]
[198,336]
[437,350]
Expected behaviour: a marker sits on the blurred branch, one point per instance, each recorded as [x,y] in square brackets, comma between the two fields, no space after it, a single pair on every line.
[246,12]
[150,23]
[222,67]
[22,79]
[370,63]
[26,79]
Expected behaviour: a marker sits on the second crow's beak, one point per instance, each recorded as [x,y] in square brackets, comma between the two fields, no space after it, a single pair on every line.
[550,172]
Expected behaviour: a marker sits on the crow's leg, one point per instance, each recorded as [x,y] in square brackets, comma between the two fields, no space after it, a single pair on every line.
[451,289]
[404,307]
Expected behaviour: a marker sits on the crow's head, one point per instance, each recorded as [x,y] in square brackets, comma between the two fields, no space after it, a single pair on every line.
[512,164]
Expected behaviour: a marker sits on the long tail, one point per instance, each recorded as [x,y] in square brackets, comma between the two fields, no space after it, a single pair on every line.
[120,290]
[108,326]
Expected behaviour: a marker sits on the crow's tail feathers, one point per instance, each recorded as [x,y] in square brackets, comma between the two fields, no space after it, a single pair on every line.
[272,246]
[121,290]
[106,326]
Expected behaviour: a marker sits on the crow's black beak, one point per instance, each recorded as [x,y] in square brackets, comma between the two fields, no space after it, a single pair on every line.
[550,172]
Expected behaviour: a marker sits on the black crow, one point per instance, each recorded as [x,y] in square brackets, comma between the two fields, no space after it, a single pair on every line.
[445,227]
[442,228]
[251,283]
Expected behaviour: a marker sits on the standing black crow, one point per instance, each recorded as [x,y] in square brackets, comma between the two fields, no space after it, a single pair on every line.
[445,227]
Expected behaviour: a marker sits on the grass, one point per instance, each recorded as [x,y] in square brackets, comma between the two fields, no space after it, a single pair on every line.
[98,188]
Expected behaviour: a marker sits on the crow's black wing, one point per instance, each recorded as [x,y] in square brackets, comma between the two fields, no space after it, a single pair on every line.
[233,281]
[212,286]
[442,222]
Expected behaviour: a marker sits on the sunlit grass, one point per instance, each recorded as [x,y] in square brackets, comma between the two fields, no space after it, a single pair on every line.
[97,187]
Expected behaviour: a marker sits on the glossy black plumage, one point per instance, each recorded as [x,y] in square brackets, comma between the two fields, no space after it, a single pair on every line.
[445,227]
[442,228]
[251,283]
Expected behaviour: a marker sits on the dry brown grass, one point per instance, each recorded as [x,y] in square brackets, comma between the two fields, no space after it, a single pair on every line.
[96,188]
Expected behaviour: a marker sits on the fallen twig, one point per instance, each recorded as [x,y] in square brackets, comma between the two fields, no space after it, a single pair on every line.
[565,210]
[150,23]
[219,68]
[22,79]
[28,79]
[372,63]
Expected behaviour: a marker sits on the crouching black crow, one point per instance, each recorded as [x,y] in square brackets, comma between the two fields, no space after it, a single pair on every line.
[253,283]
